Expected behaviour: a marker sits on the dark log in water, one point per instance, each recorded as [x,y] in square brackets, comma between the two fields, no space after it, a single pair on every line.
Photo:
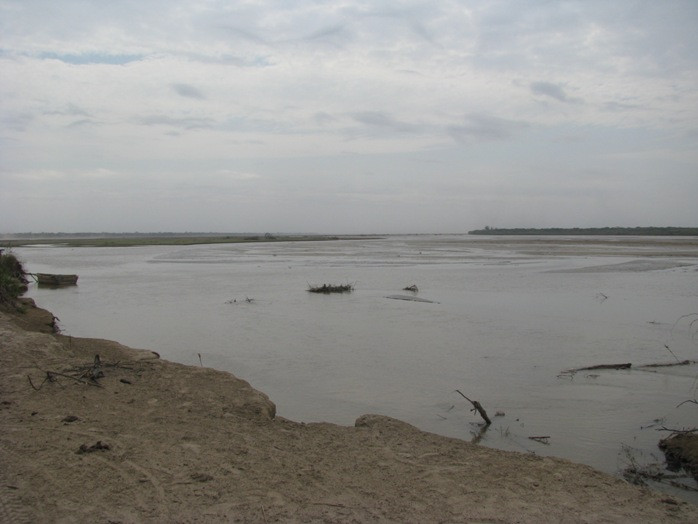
[477,407]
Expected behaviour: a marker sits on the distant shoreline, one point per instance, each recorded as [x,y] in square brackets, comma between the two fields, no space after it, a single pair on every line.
[591,231]
[155,239]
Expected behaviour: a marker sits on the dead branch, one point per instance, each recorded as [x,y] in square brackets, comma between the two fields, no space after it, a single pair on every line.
[679,431]
[51,374]
[477,407]
[95,371]
[666,346]
[689,401]
[543,439]
[47,378]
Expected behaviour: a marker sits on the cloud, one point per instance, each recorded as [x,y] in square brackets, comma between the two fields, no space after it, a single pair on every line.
[322,118]
[184,123]
[237,175]
[619,106]
[92,58]
[478,127]
[83,122]
[379,119]
[188,91]
[16,121]
[413,101]
[70,109]
[553,91]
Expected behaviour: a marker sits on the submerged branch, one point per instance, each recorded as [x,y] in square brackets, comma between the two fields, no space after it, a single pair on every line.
[477,407]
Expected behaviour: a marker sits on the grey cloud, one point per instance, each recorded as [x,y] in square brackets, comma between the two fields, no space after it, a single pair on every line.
[619,106]
[82,122]
[184,123]
[548,89]
[553,91]
[382,120]
[323,118]
[483,127]
[188,91]
[92,58]
[325,33]
[70,109]
[17,121]
[243,34]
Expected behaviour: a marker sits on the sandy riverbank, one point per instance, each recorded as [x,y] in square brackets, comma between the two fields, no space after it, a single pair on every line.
[163,442]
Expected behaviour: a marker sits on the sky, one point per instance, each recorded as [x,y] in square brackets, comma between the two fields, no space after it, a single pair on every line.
[347,116]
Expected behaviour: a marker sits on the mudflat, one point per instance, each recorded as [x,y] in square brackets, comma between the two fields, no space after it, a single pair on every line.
[154,441]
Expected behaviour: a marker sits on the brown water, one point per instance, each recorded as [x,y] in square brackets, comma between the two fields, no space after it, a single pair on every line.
[508,315]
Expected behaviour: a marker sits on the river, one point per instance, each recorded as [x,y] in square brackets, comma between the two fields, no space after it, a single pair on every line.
[503,318]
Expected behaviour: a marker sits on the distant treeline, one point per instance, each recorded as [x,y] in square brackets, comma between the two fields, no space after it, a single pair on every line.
[627,231]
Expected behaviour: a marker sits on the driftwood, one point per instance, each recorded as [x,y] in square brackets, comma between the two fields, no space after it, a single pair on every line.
[543,439]
[95,372]
[628,365]
[477,407]
[84,374]
[599,366]
[605,366]
[668,364]
[51,377]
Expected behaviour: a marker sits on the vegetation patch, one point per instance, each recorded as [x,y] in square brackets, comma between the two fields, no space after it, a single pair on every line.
[13,279]
[331,288]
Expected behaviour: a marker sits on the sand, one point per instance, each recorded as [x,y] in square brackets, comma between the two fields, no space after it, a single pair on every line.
[158,441]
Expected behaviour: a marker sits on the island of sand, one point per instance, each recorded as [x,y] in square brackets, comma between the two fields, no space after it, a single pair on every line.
[133,438]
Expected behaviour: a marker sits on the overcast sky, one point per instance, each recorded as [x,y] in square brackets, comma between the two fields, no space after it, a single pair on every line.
[347,116]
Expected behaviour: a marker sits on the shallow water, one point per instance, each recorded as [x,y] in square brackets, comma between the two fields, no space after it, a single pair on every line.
[508,315]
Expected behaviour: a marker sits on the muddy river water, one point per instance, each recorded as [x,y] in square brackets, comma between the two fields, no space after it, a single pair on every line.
[500,319]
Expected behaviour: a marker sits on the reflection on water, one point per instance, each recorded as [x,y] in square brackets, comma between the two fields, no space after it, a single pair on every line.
[505,317]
